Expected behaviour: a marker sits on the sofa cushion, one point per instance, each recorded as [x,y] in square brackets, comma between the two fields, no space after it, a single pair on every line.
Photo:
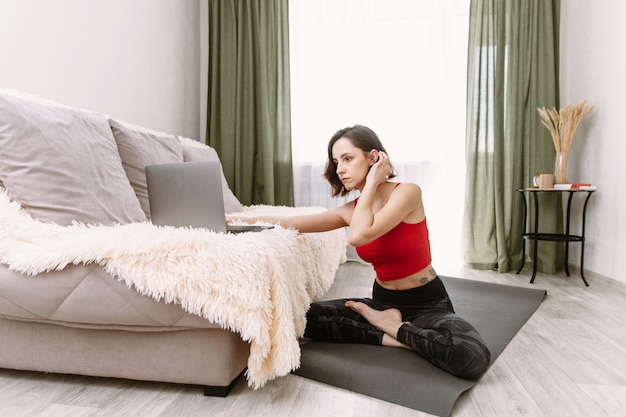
[62,164]
[196,151]
[139,147]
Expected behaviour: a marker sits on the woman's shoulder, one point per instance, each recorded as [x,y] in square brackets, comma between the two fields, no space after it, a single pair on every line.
[409,196]
[406,193]
[408,188]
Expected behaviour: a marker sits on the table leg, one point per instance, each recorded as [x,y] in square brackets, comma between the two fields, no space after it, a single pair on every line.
[569,207]
[536,241]
[523,232]
[582,243]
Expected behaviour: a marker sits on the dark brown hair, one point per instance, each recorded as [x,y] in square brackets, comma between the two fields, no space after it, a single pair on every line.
[363,138]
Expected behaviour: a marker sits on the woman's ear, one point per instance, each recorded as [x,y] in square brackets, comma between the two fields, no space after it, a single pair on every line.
[373,155]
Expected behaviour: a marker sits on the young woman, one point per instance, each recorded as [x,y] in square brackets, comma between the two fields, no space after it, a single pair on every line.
[410,307]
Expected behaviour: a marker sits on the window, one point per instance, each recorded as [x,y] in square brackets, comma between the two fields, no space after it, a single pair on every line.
[398,67]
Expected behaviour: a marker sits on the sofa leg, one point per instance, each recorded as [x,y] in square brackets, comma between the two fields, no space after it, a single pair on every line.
[216,391]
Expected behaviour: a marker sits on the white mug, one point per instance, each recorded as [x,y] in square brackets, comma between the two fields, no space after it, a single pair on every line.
[544,181]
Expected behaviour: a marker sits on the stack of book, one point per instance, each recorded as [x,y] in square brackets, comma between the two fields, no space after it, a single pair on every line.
[575,186]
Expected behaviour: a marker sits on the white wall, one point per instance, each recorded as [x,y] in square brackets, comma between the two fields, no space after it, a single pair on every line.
[593,60]
[137,60]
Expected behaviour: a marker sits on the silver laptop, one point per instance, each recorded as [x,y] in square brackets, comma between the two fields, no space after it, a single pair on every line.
[190,194]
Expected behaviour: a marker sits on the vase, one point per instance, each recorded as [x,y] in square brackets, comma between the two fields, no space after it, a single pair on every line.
[560,167]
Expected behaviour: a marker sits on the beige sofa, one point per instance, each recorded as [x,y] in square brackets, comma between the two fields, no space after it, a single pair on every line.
[89,286]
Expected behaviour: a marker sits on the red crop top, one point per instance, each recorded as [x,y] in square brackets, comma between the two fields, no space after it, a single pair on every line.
[402,251]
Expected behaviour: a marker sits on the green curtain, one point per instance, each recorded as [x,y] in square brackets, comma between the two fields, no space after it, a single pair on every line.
[249,119]
[513,68]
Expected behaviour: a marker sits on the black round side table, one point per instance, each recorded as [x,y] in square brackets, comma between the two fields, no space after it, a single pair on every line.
[566,237]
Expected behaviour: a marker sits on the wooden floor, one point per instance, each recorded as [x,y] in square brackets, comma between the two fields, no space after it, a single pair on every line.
[568,360]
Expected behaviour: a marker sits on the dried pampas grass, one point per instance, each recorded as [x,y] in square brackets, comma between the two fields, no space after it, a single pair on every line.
[563,124]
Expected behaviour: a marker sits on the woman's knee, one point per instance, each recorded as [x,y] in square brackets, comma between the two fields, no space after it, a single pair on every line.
[469,360]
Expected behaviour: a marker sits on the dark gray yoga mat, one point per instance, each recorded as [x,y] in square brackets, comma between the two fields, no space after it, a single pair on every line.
[402,377]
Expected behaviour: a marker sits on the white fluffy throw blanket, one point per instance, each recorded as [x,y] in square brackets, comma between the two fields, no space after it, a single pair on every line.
[259,285]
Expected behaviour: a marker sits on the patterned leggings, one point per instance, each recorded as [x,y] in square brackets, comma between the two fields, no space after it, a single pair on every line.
[431,327]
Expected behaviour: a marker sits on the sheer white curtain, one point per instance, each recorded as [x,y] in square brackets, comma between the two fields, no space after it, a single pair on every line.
[398,67]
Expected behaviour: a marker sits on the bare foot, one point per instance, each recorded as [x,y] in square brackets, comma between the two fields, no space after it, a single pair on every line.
[391,342]
[388,321]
